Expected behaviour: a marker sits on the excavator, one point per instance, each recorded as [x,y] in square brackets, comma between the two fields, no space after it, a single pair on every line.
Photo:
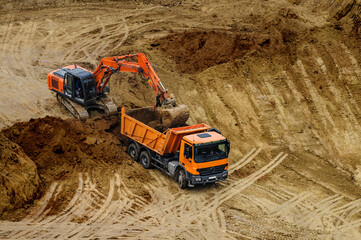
[81,91]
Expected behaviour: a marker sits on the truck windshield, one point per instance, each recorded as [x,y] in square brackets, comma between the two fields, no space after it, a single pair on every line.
[89,88]
[211,152]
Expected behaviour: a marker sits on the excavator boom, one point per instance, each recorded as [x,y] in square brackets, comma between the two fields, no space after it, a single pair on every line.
[110,65]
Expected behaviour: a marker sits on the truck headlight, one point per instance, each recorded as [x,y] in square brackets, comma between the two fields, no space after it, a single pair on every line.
[198,179]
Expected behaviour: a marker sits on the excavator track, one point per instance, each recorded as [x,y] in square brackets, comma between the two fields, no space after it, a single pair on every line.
[77,110]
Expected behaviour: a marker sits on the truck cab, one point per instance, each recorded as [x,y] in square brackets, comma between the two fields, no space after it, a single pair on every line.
[204,157]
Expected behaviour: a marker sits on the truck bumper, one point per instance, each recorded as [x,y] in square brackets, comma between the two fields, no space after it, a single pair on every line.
[196,179]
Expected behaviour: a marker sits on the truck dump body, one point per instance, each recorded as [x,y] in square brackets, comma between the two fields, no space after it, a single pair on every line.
[161,143]
[142,133]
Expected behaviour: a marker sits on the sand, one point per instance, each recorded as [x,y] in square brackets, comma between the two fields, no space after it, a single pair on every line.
[280,79]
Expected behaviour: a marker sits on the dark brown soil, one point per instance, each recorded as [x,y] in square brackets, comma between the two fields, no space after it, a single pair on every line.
[19,179]
[59,145]
[195,51]
[61,149]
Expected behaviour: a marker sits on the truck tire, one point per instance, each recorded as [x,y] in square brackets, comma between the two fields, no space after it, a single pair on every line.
[133,152]
[145,159]
[182,181]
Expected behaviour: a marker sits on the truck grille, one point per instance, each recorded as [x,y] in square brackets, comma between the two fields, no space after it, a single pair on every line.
[211,170]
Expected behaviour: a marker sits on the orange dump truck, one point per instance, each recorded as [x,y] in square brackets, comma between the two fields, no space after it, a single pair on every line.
[192,155]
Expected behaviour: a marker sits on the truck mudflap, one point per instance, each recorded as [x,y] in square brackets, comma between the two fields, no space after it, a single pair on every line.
[197,179]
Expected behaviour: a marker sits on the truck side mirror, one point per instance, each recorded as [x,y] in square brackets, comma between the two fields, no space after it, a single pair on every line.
[228,146]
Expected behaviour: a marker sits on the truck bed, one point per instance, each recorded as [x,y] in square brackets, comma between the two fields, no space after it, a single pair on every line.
[161,143]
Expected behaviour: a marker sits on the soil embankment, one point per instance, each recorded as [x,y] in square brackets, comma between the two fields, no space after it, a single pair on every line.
[19,179]
[52,149]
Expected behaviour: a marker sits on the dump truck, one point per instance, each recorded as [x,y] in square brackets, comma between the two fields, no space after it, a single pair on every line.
[191,155]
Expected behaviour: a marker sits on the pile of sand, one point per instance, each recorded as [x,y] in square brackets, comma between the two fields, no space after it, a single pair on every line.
[59,146]
[19,180]
[34,154]
[55,149]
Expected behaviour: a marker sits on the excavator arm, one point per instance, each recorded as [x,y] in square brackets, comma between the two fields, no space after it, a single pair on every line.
[110,65]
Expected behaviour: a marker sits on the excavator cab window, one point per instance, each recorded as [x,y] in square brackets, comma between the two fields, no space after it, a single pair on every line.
[69,85]
[89,86]
[79,92]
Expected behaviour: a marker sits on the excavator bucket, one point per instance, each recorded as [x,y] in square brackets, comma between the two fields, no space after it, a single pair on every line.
[161,118]
[174,116]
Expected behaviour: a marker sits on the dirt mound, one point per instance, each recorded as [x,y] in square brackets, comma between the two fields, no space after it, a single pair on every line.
[19,180]
[63,148]
[348,14]
[195,51]
[60,150]
[57,146]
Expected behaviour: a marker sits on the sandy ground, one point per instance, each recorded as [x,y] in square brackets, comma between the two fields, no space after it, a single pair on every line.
[280,79]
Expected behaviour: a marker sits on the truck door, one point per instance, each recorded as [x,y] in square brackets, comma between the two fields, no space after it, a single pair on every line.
[68,86]
[187,155]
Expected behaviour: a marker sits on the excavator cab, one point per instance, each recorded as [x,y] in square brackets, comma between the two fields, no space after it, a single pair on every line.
[80,86]
[76,90]
[87,89]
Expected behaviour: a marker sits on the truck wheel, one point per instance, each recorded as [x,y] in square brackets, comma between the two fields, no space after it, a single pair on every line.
[145,159]
[182,179]
[133,152]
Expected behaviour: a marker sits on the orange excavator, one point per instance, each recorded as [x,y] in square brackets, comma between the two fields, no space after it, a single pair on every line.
[81,91]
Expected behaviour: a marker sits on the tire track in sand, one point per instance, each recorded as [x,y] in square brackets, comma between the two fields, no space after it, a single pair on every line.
[35,213]
[78,232]
[88,202]
[246,159]
[238,186]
